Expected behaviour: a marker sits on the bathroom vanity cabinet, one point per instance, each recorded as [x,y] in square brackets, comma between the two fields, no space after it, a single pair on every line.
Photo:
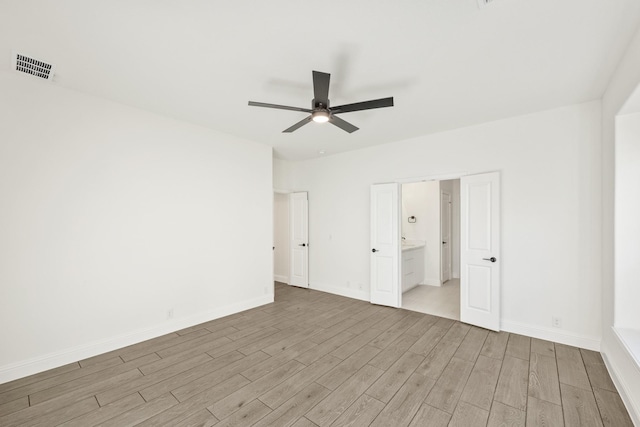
[412,265]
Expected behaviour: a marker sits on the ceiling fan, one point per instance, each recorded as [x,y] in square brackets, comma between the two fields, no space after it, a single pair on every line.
[320,110]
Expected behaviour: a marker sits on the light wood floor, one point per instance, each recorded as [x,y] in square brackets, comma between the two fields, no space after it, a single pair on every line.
[318,359]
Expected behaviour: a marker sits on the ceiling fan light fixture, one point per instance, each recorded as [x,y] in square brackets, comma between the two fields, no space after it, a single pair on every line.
[320,111]
[320,116]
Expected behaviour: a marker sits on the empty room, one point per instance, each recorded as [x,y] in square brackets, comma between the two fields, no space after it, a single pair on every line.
[287,213]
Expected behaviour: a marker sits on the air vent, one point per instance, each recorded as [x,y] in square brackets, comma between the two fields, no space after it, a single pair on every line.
[483,3]
[28,65]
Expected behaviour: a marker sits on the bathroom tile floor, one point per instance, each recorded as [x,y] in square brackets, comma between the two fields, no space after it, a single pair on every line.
[443,301]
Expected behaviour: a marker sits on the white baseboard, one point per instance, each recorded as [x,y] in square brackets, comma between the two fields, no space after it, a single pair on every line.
[53,360]
[431,282]
[345,292]
[624,369]
[282,279]
[549,334]
[552,334]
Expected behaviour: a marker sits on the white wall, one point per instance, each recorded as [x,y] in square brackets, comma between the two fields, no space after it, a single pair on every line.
[111,217]
[624,370]
[282,175]
[550,169]
[414,203]
[281,237]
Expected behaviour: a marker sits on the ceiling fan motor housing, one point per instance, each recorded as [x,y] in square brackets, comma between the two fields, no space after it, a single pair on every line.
[315,105]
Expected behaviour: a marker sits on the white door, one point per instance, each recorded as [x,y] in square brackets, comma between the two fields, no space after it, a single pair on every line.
[385,244]
[299,237]
[480,250]
[445,235]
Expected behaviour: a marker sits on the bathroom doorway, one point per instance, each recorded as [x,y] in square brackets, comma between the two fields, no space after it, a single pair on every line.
[430,227]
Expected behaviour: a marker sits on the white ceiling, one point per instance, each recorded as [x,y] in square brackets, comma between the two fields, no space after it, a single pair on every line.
[448,63]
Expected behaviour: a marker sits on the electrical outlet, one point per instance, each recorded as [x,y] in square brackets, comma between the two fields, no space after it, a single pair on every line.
[556,322]
[170,313]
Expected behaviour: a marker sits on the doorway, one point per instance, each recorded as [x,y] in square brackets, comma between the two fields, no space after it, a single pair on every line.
[430,230]
[290,238]
[480,271]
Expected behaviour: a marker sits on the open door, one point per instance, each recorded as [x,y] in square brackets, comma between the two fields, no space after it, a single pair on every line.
[299,238]
[480,250]
[385,244]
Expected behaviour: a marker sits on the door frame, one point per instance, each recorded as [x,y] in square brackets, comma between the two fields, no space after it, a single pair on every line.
[273,255]
[438,177]
[444,177]
[448,248]
[287,192]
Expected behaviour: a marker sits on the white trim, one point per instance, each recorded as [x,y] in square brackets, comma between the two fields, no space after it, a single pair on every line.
[552,334]
[440,177]
[282,279]
[53,360]
[360,294]
[630,340]
[622,388]
[621,381]
[431,282]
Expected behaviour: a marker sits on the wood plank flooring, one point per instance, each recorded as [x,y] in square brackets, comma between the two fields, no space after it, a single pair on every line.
[316,359]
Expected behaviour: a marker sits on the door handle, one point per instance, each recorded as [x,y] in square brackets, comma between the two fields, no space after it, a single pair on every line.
[492,259]
[302,244]
[374,250]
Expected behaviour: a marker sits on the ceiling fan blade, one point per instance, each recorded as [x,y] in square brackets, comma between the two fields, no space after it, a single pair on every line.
[366,105]
[342,124]
[321,87]
[279,107]
[298,125]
